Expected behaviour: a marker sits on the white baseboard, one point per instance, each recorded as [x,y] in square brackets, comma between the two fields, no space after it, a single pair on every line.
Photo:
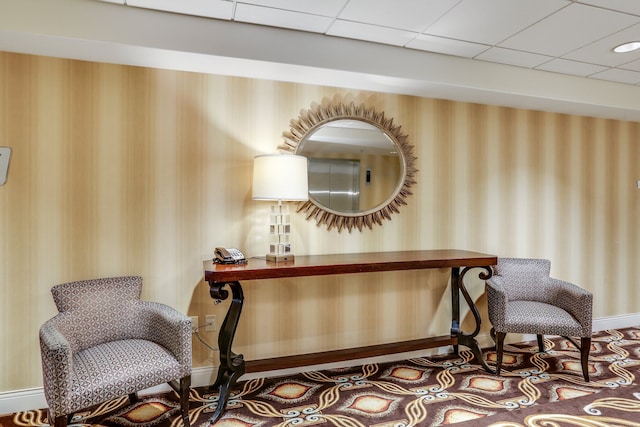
[616,322]
[23,400]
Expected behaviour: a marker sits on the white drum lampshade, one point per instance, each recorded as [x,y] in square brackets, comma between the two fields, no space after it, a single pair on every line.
[281,177]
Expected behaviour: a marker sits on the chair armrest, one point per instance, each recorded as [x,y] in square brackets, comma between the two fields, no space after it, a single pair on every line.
[575,300]
[168,327]
[496,302]
[57,364]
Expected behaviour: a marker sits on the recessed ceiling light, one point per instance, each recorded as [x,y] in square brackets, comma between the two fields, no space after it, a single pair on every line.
[627,47]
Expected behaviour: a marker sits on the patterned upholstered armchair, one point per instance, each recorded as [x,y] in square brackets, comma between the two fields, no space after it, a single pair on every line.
[522,298]
[106,343]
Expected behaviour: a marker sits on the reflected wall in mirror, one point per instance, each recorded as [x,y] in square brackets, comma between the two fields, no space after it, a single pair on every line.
[361,167]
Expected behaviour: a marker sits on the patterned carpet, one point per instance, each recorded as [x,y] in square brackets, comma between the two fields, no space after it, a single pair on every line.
[534,390]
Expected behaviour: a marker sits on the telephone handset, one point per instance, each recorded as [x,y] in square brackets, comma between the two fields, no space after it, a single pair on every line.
[228,256]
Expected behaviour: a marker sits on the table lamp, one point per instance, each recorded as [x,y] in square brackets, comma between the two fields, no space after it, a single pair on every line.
[281,177]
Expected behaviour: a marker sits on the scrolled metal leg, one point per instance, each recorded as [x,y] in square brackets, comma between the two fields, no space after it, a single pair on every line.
[232,366]
[227,381]
[468,340]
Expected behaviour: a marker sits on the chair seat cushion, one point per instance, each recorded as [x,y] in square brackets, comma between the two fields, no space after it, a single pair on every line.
[118,368]
[533,317]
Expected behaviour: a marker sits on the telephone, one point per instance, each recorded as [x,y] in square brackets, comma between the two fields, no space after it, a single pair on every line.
[228,256]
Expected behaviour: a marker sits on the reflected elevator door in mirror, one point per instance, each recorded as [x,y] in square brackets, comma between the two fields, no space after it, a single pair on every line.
[335,183]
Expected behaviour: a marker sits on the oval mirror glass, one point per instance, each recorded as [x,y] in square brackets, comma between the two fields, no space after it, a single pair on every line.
[354,167]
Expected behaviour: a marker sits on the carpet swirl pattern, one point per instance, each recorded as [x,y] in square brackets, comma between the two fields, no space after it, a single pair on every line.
[535,389]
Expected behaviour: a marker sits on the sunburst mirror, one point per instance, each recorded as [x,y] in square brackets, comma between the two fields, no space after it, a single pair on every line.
[361,165]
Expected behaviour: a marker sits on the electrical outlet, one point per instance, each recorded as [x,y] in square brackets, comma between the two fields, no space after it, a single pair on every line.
[194,324]
[210,322]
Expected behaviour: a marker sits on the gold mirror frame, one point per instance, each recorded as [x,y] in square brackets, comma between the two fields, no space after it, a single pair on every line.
[310,120]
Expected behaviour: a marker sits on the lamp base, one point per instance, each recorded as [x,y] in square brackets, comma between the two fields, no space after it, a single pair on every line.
[280,258]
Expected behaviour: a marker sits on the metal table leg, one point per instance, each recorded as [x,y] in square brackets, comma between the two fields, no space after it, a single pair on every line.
[232,366]
[458,287]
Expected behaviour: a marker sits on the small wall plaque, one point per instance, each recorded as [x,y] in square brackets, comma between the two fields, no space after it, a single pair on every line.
[5,155]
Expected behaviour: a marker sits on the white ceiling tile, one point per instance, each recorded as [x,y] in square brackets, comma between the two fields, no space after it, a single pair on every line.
[633,65]
[491,21]
[571,67]
[628,6]
[282,18]
[220,9]
[572,27]
[373,33]
[314,7]
[412,15]
[447,46]
[512,57]
[617,75]
[600,52]
[563,36]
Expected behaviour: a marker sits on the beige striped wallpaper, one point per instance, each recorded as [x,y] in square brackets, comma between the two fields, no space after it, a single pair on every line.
[122,170]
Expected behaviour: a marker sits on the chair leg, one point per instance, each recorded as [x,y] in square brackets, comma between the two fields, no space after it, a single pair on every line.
[540,343]
[499,348]
[492,333]
[185,384]
[59,421]
[182,388]
[585,347]
[133,397]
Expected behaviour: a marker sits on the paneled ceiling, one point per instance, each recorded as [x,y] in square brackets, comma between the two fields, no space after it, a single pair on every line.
[550,55]
[560,36]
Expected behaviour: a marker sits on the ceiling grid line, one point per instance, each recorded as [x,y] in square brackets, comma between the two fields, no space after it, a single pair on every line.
[573,37]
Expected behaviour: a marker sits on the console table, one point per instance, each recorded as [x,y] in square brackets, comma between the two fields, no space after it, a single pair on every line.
[233,366]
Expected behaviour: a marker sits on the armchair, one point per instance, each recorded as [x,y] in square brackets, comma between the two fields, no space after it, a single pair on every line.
[105,343]
[522,298]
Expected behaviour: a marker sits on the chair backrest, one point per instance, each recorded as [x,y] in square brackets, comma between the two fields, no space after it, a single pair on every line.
[525,278]
[99,310]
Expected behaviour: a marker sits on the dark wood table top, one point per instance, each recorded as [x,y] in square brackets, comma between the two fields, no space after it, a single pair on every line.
[320,265]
